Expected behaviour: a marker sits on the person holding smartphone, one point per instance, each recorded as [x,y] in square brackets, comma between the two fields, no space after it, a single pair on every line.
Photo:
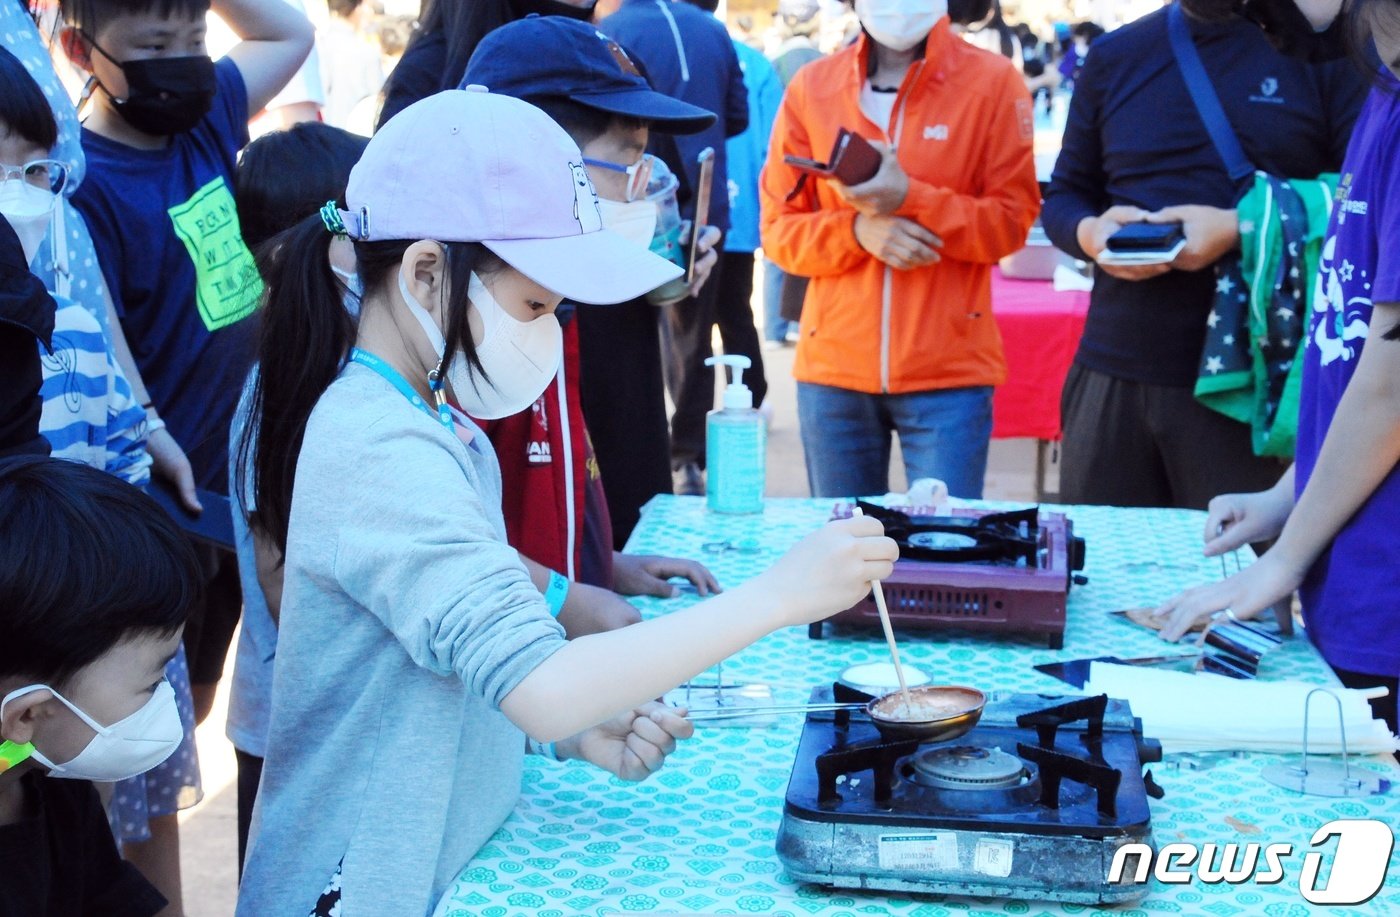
[1134,150]
[897,331]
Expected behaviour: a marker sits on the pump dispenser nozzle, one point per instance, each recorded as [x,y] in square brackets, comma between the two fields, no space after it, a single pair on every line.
[737,395]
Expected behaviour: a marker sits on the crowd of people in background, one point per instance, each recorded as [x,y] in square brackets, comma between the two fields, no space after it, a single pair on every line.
[399,294]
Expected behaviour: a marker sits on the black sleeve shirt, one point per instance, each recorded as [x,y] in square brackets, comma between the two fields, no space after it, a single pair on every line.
[59,860]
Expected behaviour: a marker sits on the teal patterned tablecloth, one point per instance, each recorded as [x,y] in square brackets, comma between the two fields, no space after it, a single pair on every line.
[698,837]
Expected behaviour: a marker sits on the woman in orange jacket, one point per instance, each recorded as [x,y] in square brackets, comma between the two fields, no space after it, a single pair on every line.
[897,331]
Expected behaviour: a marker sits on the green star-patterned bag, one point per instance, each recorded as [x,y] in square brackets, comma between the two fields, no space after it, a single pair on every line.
[1249,369]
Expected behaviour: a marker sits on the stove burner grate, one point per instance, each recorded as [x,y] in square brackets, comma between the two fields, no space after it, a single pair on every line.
[968,767]
[998,538]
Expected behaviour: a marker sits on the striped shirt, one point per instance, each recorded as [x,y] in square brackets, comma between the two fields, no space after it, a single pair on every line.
[89,415]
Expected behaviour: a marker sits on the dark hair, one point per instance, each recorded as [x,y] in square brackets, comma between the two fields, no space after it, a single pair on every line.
[23,109]
[344,8]
[708,6]
[1089,31]
[459,25]
[287,175]
[91,16]
[86,561]
[967,12]
[306,335]
[994,21]
[579,121]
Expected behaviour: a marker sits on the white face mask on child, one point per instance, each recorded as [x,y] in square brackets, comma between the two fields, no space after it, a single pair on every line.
[28,209]
[520,359]
[128,747]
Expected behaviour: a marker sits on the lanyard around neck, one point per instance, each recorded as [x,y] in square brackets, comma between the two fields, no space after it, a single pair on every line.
[391,375]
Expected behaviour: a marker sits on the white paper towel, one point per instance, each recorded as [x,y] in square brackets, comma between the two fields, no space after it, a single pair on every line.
[1205,712]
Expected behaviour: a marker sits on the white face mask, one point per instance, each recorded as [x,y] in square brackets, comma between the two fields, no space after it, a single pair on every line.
[28,209]
[354,290]
[520,359]
[900,24]
[126,748]
[634,220]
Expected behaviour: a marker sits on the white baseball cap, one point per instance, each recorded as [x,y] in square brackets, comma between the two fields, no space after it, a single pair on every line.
[471,166]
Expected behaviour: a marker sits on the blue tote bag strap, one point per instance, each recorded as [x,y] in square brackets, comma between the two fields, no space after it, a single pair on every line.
[1222,135]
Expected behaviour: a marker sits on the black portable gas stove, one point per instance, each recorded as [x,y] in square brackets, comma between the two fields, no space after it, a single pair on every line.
[1032,803]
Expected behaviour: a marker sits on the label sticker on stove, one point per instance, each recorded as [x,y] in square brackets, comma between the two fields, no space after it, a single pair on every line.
[993,857]
[919,852]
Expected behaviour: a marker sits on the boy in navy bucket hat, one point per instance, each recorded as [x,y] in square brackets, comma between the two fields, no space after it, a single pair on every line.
[556,510]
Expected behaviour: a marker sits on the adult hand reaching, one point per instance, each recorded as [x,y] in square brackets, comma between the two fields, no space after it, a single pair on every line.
[1235,520]
[1245,594]
[633,745]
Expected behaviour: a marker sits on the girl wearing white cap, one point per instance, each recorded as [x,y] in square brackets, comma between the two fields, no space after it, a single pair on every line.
[414,648]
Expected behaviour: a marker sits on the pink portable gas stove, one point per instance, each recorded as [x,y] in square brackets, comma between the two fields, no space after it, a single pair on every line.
[1004,572]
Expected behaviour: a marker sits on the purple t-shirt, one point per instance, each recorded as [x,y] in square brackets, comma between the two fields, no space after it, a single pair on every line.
[1351,596]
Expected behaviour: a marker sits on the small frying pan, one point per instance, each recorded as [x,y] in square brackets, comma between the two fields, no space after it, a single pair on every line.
[939,713]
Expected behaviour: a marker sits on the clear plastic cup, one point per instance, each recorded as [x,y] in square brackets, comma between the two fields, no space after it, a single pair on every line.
[669,240]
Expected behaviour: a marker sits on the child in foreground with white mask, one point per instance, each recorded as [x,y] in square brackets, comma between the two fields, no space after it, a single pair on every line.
[90,414]
[414,653]
[95,584]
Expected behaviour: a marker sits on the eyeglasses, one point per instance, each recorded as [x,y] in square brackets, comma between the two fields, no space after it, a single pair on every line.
[638,173]
[49,174]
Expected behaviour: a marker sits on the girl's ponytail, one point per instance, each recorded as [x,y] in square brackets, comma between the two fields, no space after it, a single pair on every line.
[305,338]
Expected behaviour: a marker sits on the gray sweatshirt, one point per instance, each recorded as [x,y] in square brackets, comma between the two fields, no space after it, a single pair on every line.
[406,618]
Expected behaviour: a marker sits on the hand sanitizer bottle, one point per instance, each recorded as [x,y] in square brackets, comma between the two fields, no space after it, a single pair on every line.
[736,445]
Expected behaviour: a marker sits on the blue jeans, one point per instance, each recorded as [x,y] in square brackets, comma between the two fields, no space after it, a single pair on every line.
[775,327]
[943,434]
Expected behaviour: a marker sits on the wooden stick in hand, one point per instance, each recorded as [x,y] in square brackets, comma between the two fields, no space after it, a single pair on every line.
[889,635]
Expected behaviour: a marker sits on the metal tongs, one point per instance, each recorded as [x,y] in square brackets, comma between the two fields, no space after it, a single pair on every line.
[701,716]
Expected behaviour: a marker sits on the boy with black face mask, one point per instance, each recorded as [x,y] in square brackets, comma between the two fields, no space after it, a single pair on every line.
[161,139]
